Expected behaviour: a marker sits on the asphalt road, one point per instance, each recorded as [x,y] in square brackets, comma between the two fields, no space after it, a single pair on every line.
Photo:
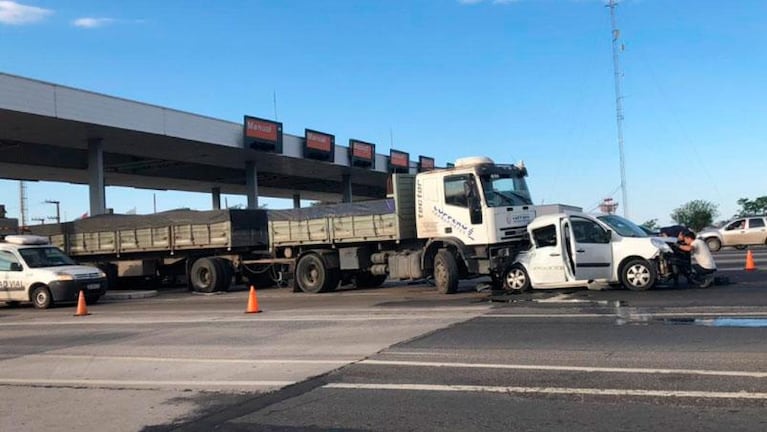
[398,358]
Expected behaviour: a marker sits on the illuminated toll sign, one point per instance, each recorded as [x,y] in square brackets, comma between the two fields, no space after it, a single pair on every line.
[362,154]
[261,134]
[399,161]
[319,145]
[425,163]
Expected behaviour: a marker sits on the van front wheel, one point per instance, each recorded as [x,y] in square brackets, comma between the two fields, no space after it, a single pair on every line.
[638,275]
[41,297]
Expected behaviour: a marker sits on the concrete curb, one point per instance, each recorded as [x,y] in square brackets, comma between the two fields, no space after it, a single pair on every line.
[129,295]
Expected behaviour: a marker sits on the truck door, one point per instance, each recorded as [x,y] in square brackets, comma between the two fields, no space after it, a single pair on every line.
[547,265]
[461,216]
[592,249]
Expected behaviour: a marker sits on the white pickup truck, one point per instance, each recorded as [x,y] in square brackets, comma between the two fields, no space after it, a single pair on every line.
[575,250]
[33,270]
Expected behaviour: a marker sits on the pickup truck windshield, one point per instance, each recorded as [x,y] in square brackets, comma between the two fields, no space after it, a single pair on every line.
[623,226]
[45,257]
[505,191]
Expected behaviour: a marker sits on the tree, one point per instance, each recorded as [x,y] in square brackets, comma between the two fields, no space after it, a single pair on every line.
[756,207]
[651,225]
[695,214]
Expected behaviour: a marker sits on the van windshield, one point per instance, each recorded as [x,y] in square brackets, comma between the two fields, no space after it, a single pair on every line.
[45,257]
[623,226]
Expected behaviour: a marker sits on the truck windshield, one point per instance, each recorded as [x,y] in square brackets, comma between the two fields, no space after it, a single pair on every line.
[45,257]
[623,226]
[505,191]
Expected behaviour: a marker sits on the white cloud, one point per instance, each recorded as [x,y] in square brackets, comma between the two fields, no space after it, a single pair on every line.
[89,23]
[18,14]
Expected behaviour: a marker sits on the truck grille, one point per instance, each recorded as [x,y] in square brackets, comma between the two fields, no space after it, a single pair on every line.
[518,233]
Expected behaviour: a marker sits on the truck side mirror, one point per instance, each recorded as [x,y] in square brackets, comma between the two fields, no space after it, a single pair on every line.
[608,236]
[16,267]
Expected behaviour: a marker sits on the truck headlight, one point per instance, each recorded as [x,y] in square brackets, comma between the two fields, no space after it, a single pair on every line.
[64,277]
[102,274]
[660,244]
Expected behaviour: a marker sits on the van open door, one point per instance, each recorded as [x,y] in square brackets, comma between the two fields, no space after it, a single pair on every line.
[591,250]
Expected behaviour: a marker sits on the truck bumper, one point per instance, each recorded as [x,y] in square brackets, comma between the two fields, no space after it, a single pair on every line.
[63,291]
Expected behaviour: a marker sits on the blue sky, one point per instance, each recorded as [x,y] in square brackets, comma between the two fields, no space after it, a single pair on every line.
[516,80]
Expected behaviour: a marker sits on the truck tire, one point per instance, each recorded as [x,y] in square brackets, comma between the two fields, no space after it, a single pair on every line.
[41,297]
[312,276]
[205,275]
[516,279]
[638,275]
[368,280]
[92,299]
[226,271]
[713,244]
[445,272]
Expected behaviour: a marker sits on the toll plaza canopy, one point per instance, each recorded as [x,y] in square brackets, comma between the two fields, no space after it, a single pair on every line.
[58,133]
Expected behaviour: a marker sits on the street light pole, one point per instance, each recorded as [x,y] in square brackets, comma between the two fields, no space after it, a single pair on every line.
[58,209]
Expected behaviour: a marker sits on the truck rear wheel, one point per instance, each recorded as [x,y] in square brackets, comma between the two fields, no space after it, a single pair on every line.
[226,272]
[445,272]
[205,275]
[312,276]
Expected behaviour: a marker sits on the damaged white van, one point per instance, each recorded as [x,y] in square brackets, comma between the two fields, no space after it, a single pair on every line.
[33,270]
[578,250]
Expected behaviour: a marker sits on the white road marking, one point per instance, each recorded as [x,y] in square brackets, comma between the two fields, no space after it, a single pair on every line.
[186,359]
[550,390]
[569,368]
[140,383]
[609,315]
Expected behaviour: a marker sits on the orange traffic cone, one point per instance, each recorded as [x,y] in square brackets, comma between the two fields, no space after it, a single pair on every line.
[750,266]
[252,301]
[82,309]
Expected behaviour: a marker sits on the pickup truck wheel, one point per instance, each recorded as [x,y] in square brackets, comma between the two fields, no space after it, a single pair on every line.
[516,279]
[311,274]
[713,244]
[41,297]
[638,275]
[205,275]
[445,272]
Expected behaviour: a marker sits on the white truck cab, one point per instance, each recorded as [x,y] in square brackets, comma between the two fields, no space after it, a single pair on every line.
[33,270]
[575,249]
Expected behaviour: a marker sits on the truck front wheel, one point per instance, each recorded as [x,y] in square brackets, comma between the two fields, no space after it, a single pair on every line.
[445,272]
[312,276]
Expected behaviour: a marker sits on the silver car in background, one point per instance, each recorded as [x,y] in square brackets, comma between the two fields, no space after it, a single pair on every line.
[738,233]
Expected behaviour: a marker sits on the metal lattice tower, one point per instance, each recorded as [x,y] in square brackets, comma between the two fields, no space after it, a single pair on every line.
[23,203]
[617,47]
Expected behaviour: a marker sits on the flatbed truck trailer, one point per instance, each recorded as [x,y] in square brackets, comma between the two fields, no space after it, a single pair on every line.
[447,224]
